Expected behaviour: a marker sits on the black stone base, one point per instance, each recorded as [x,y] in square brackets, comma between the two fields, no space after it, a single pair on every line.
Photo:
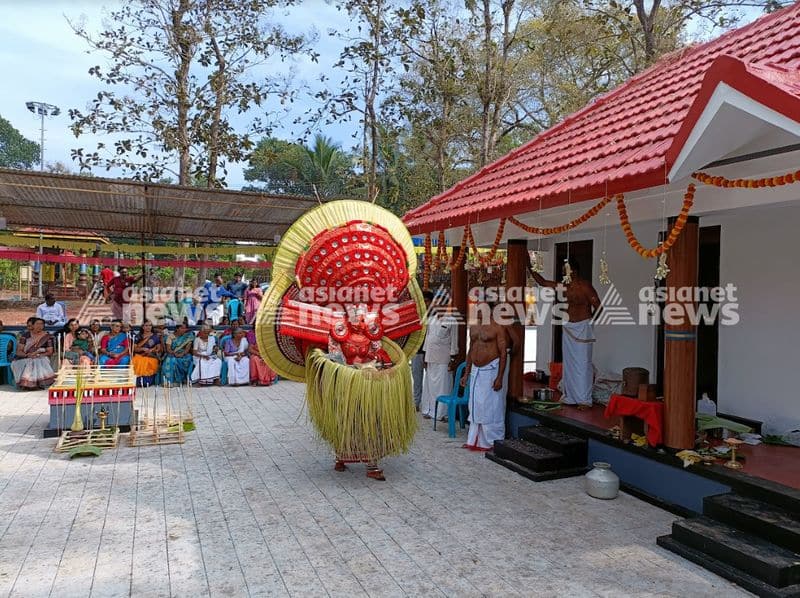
[536,476]
[748,582]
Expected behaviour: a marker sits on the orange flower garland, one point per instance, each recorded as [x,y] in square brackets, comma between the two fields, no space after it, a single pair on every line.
[441,252]
[426,271]
[680,222]
[556,230]
[720,181]
[456,262]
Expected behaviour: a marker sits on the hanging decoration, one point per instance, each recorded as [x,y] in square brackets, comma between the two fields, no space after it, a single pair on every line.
[603,276]
[456,262]
[556,230]
[567,273]
[441,252]
[426,270]
[662,270]
[721,181]
[537,261]
[680,222]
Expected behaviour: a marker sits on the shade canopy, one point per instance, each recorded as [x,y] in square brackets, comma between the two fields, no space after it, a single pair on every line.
[135,208]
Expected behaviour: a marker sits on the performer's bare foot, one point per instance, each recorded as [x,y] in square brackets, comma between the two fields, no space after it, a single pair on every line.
[340,466]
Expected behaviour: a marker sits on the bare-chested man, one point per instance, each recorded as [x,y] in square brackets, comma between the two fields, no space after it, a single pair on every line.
[578,336]
[486,365]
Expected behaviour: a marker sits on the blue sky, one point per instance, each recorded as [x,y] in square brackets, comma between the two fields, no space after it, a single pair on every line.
[42,59]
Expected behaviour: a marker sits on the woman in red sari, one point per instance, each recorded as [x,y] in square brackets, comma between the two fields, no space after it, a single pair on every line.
[260,372]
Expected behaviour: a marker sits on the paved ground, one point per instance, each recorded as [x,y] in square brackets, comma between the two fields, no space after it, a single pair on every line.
[250,505]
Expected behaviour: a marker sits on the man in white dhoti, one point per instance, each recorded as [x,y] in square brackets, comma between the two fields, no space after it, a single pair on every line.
[486,371]
[207,364]
[583,304]
[441,351]
[237,358]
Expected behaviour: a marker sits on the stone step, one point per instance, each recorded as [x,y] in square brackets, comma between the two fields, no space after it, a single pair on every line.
[755,556]
[534,475]
[529,455]
[559,442]
[737,576]
[778,525]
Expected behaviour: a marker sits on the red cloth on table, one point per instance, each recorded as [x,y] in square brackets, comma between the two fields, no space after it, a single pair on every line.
[650,412]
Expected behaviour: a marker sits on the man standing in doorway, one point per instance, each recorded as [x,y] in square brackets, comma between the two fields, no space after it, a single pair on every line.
[120,292]
[486,368]
[578,335]
[441,351]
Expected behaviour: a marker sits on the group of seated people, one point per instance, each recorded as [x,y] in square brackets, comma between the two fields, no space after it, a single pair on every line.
[157,355]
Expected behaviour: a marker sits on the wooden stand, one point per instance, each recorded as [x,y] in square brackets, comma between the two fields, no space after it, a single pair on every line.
[108,438]
[161,416]
[680,343]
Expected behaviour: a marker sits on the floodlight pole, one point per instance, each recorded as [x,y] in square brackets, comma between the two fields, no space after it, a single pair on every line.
[42,109]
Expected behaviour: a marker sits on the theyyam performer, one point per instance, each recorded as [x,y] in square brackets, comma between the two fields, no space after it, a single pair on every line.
[344,314]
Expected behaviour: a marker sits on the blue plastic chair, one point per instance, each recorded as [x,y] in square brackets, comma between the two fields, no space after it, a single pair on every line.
[8,348]
[454,402]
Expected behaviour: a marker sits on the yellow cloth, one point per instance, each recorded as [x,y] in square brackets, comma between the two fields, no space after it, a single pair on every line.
[145,366]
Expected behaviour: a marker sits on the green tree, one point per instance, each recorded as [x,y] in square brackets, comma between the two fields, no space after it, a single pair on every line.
[178,70]
[15,150]
[294,168]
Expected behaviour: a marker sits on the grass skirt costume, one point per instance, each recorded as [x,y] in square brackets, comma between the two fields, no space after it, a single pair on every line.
[352,354]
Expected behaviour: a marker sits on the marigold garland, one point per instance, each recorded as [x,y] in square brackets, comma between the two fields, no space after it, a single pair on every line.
[426,270]
[441,252]
[556,230]
[721,181]
[680,222]
[456,262]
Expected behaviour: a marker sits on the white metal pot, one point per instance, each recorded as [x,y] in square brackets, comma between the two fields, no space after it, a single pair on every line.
[601,482]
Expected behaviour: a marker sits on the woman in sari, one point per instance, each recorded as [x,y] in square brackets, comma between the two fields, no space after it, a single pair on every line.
[96,333]
[235,350]
[207,364]
[31,365]
[252,301]
[114,348]
[146,355]
[260,372]
[178,361]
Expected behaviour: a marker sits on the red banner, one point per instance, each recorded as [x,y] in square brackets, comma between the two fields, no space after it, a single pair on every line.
[32,256]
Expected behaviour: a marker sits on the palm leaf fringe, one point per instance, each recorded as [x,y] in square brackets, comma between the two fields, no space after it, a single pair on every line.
[364,414]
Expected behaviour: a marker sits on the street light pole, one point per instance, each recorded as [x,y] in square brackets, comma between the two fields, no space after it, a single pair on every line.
[42,109]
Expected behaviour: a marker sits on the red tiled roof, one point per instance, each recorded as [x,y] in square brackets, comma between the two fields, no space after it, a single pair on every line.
[628,138]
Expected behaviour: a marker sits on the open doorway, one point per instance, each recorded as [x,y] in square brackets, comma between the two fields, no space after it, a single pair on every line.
[581,251]
[707,333]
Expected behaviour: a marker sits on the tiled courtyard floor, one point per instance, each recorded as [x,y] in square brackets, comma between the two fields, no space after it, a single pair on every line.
[250,505]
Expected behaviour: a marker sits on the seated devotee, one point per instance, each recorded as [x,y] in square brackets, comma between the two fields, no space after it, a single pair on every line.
[207,364]
[96,333]
[31,365]
[178,358]
[252,301]
[146,355]
[236,356]
[234,309]
[79,350]
[115,346]
[260,372]
[51,312]
[195,313]
[486,366]
[68,334]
